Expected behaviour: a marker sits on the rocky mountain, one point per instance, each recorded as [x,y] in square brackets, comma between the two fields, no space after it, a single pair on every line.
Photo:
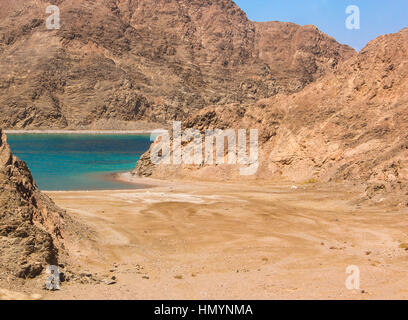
[30,223]
[348,126]
[118,63]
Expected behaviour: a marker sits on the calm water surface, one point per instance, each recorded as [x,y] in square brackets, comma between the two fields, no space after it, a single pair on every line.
[79,162]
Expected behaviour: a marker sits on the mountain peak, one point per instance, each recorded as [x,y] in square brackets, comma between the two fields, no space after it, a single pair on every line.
[122,62]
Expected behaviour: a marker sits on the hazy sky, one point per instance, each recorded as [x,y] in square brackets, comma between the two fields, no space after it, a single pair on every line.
[377,17]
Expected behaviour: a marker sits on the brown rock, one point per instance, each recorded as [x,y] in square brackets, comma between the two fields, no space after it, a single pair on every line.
[116,63]
[344,127]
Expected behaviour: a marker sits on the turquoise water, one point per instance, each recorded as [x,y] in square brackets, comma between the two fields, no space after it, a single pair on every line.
[79,162]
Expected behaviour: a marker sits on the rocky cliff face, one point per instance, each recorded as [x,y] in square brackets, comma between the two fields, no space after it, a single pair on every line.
[30,223]
[115,62]
[297,55]
[351,125]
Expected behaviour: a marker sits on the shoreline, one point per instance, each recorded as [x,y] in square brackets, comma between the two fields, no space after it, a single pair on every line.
[118,132]
[125,178]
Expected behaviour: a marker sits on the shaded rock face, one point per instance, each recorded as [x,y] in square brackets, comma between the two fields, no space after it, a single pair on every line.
[30,223]
[349,126]
[155,61]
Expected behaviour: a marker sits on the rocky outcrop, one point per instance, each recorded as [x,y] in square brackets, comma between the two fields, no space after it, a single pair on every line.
[349,126]
[30,223]
[117,61]
[297,55]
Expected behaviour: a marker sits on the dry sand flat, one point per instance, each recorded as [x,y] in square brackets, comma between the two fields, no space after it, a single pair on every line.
[218,241]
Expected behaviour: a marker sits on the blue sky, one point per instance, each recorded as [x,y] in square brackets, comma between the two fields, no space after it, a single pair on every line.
[377,17]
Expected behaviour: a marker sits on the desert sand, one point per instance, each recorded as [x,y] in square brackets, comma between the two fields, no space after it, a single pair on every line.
[190,240]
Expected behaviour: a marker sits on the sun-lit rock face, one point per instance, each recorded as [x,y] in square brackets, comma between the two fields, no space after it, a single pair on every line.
[30,223]
[114,61]
[350,125]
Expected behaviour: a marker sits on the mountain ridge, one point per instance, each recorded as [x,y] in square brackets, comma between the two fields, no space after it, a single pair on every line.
[113,64]
[348,126]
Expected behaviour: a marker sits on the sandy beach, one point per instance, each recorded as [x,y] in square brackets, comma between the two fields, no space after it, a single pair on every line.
[184,240]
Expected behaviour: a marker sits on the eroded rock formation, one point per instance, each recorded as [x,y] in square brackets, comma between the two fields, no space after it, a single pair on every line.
[348,126]
[30,223]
